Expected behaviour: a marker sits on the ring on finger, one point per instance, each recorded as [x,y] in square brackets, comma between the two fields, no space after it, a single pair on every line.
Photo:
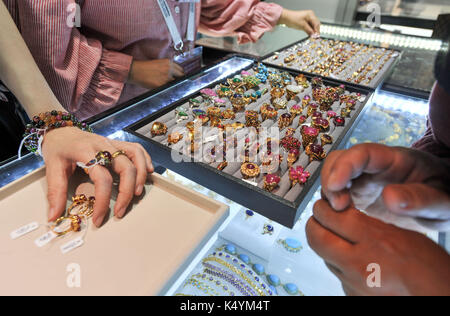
[118,153]
[102,158]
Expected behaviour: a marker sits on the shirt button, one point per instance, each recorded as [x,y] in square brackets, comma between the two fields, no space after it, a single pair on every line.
[177,10]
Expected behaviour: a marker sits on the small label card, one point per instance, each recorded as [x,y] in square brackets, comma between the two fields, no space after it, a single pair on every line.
[24,230]
[71,245]
[45,239]
[250,182]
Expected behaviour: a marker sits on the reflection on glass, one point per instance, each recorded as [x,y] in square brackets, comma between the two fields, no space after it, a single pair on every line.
[422,9]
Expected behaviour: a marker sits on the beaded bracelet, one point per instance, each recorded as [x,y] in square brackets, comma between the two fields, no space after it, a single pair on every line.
[239,285]
[219,284]
[45,122]
[272,279]
[261,290]
[201,286]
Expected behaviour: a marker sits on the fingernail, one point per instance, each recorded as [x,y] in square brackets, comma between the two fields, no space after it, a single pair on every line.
[99,221]
[121,213]
[139,189]
[349,185]
[51,214]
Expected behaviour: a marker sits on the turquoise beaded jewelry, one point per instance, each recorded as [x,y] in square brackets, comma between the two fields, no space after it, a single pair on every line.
[291,244]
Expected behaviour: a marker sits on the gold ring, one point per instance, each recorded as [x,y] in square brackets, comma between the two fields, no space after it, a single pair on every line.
[118,153]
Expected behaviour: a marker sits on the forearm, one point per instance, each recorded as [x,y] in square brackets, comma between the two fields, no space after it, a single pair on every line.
[19,71]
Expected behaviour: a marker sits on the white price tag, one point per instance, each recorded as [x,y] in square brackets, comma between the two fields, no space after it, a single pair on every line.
[45,239]
[24,230]
[250,182]
[71,245]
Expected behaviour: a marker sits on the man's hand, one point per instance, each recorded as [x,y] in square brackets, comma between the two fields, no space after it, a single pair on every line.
[387,181]
[152,74]
[349,241]
[303,20]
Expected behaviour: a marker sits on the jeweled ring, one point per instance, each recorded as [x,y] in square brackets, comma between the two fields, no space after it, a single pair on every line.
[315,152]
[250,170]
[75,225]
[326,139]
[81,200]
[298,175]
[271,181]
[158,129]
[102,158]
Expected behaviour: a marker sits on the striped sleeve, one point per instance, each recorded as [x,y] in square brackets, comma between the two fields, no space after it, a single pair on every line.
[85,77]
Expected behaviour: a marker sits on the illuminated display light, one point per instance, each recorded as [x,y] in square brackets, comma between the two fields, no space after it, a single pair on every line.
[394,101]
[382,38]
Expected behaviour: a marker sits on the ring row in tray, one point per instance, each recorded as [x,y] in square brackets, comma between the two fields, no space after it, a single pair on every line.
[308,115]
[345,61]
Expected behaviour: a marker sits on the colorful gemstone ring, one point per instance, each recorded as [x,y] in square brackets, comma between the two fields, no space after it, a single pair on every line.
[268,112]
[309,135]
[75,225]
[285,120]
[298,175]
[102,158]
[271,181]
[158,129]
[326,139]
[289,143]
[250,170]
[339,121]
[293,155]
[296,109]
[279,103]
[292,91]
[315,152]
[320,123]
[174,138]
[228,114]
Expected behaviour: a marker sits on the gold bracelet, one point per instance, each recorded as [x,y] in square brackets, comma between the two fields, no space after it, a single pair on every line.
[202,287]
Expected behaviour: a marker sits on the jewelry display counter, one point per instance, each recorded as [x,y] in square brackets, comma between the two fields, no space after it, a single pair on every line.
[257,247]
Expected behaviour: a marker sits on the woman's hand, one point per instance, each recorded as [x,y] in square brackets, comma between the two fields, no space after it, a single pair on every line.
[64,147]
[353,244]
[152,74]
[389,180]
[303,20]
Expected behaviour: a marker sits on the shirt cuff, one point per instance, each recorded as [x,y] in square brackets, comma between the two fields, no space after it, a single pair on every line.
[107,83]
[266,17]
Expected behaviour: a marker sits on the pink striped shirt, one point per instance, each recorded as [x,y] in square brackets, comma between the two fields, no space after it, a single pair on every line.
[87,68]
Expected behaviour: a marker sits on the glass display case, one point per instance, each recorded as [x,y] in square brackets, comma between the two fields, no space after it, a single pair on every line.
[413,74]
[276,259]
[285,255]
[417,9]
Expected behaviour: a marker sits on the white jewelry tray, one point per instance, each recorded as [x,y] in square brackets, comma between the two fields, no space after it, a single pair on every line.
[141,254]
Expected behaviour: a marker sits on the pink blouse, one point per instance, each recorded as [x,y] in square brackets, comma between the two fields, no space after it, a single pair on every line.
[87,68]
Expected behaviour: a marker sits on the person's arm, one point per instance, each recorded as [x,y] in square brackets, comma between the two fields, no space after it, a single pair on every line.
[81,72]
[373,258]
[248,20]
[19,72]
[62,148]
